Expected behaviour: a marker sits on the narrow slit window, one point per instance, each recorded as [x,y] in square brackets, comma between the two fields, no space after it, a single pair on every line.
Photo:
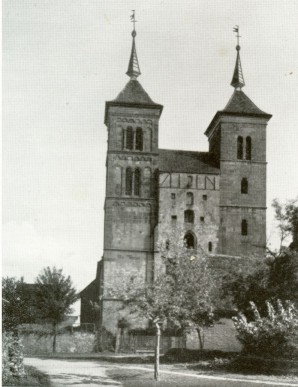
[139,139]
[240,148]
[244,227]
[209,247]
[129,138]
[137,182]
[244,185]
[204,197]
[128,182]
[248,148]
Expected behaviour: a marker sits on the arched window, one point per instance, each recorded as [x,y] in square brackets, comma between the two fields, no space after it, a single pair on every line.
[128,181]
[189,198]
[240,148]
[189,240]
[189,216]
[137,182]
[244,185]
[129,138]
[209,246]
[244,227]
[248,148]
[139,139]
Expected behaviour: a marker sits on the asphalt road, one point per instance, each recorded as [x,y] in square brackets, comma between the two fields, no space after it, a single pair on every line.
[92,373]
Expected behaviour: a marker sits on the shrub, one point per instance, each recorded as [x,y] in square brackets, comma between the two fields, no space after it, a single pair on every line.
[275,335]
[12,356]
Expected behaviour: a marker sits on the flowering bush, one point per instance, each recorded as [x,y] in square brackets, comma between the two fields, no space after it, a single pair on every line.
[273,335]
[12,357]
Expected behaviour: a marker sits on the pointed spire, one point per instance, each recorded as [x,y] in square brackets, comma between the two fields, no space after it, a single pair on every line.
[133,70]
[238,80]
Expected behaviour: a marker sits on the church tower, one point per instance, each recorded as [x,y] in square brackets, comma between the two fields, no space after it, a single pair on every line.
[131,193]
[237,141]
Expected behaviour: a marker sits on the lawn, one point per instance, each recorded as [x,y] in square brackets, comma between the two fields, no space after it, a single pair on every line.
[144,378]
[33,377]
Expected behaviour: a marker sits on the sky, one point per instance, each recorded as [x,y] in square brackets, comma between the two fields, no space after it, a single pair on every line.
[62,59]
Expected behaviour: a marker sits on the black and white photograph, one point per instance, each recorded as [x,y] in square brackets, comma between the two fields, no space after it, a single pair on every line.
[149,193]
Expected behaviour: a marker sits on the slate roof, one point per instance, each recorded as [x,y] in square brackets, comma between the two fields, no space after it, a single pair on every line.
[240,103]
[133,92]
[187,162]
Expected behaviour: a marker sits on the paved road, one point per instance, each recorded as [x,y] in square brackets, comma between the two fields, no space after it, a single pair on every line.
[92,373]
[73,372]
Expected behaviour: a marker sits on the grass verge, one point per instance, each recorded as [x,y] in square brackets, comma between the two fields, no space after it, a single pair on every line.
[33,377]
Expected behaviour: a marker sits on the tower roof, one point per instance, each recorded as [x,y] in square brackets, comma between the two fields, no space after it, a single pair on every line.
[134,92]
[133,70]
[240,103]
[238,80]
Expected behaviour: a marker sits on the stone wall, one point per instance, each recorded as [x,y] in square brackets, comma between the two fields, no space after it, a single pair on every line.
[202,197]
[220,337]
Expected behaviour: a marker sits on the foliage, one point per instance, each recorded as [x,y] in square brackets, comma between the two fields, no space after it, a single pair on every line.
[17,306]
[270,335]
[32,377]
[12,356]
[287,218]
[54,296]
[271,278]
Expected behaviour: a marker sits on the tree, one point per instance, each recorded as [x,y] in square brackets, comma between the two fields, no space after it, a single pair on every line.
[153,301]
[194,290]
[272,278]
[181,295]
[17,304]
[273,334]
[54,296]
[287,217]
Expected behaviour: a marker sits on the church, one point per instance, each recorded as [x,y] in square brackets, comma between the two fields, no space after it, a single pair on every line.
[216,199]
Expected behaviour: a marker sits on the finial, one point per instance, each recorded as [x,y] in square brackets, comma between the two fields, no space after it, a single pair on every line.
[133,66]
[238,80]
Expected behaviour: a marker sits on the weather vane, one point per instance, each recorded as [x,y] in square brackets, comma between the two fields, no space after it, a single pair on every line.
[236,29]
[133,19]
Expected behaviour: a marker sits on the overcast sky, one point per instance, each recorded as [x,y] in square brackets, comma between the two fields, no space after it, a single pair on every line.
[62,59]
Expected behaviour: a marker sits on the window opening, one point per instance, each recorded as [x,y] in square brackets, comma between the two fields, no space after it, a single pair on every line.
[189,216]
[244,185]
[240,148]
[129,138]
[204,197]
[137,182]
[128,181]
[244,227]
[248,148]
[139,139]
[189,240]
[209,246]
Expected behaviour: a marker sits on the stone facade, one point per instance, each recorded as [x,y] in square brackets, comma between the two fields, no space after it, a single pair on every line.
[216,199]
